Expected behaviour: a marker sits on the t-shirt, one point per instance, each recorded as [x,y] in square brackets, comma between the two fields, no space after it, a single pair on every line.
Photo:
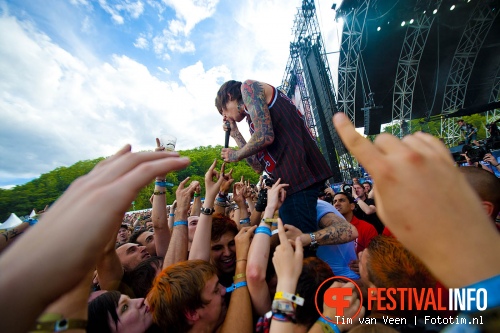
[366,232]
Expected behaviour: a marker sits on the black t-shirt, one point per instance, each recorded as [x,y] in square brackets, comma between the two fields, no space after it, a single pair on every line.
[373,219]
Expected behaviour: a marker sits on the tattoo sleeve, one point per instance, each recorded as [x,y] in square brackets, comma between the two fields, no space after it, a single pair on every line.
[255,101]
[336,230]
[251,160]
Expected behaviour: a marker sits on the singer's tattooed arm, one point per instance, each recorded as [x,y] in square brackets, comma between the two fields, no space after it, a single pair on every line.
[251,160]
[255,101]
[336,230]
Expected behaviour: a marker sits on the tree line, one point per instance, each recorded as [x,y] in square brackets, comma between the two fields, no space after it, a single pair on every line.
[44,190]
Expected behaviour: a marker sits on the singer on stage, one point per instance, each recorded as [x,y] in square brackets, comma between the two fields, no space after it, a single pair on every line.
[281,144]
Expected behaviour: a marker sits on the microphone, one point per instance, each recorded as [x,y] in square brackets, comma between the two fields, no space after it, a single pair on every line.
[228,125]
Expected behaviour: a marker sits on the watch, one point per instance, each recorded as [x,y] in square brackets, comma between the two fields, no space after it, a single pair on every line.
[207,211]
[314,242]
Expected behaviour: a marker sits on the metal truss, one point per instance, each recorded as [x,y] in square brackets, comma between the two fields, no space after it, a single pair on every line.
[354,23]
[493,115]
[406,74]
[306,34]
[472,39]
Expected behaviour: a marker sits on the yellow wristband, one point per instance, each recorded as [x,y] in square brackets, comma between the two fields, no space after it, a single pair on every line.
[268,221]
[291,297]
[239,276]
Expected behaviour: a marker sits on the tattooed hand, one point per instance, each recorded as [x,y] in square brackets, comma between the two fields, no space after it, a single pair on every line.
[229,155]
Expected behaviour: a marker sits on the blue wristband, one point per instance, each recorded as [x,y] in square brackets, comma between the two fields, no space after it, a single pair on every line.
[180,223]
[333,326]
[263,230]
[245,220]
[162,184]
[235,286]
[171,214]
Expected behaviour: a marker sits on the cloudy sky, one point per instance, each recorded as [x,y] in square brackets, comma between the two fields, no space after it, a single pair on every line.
[81,78]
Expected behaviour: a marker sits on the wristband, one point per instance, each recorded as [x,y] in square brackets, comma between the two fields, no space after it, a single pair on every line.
[51,322]
[171,214]
[269,222]
[274,232]
[196,195]
[356,200]
[235,286]
[239,276]
[283,306]
[263,230]
[162,184]
[329,324]
[180,223]
[245,220]
[284,317]
[291,297]
[159,193]
[274,224]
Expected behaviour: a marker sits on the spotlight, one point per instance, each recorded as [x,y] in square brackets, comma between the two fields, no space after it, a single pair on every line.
[411,21]
[403,23]
[434,11]
[425,11]
[378,29]
[452,7]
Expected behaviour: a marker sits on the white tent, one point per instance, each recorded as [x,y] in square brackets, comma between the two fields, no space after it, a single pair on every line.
[33,214]
[12,222]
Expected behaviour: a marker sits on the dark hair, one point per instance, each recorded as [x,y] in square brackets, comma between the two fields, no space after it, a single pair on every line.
[347,195]
[100,309]
[314,272]
[220,225]
[135,235]
[367,182]
[486,185]
[229,91]
[140,279]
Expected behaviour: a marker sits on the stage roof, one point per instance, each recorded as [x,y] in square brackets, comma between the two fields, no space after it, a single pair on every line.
[381,52]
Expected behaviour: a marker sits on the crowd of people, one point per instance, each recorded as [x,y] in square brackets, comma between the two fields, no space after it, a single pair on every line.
[266,259]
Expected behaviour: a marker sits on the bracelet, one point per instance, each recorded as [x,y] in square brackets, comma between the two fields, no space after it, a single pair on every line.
[222,195]
[235,286]
[291,297]
[284,317]
[52,322]
[159,193]
[274,224]
[330,326]
[239,276]
[283,306]
[171,214]
[241,260]
[162,184]
[274,232]
[245,220]
[269,222]
[161,180]
[196,195]
[222,203]
[218,199]
[180,223]
[263,230]
[356,200]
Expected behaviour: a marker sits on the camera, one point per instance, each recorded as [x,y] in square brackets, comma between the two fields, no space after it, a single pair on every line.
[347,188]
[268,181]
[261,204]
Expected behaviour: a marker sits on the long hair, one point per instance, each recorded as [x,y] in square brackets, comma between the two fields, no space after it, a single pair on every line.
[100,309]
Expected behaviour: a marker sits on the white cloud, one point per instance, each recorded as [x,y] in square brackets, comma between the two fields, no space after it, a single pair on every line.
[141,42]
[192,11]
[115,16]
[57,110]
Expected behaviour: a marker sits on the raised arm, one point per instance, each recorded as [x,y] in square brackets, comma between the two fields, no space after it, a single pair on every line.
[109,267]
[258,255]
[101,197]
[241,142]
[178,248]
[159,212]
[200,248]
